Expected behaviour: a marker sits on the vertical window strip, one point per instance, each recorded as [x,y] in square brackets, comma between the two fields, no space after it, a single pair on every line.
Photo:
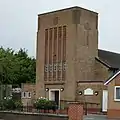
[46,54]
[50,45]
[54,56]
[46,46]
[59,43]
[59,51]
[64,52]
[64,43]
[50,53]
[55,44]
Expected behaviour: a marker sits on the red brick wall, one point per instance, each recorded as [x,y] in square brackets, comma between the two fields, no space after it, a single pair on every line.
[75,112]
[113,114]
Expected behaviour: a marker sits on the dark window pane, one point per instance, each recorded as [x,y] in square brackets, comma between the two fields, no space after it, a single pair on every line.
[117,93]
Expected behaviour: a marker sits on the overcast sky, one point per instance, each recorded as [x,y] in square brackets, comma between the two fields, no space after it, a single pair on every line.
[18,21]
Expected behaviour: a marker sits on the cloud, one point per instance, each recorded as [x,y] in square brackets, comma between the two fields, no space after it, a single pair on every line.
[18,21]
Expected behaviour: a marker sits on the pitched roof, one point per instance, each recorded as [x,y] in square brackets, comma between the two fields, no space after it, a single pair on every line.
[111,59]
[102,62]
[112,77]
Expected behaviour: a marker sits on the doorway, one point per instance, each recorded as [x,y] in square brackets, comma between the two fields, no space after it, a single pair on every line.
[105,101]
[54,95]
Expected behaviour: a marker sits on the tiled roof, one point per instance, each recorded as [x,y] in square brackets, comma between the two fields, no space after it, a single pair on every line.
[109,58]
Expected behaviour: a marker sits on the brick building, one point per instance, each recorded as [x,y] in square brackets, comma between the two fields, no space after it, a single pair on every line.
[70,67]
[28,94]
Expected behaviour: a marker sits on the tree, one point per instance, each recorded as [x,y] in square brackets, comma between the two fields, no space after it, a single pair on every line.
[16,67]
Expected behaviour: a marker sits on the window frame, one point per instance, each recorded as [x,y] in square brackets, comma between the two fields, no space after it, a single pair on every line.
[115,99]
[23,94]
[64,66]
[59,66]
[28,93]
[55,67]
[50,68]
[46,68]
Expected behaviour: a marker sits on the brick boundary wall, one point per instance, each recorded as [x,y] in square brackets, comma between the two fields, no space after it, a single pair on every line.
[31,116]
[75,112]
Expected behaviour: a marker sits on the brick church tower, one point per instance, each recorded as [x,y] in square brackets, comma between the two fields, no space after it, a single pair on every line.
[67,44]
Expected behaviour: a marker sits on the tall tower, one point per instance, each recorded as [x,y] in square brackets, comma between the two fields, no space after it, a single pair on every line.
[67,44]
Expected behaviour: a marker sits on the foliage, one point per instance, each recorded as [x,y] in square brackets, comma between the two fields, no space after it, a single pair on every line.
[10,104]
[45,104]
[18,105]
[2,105]
[16,67]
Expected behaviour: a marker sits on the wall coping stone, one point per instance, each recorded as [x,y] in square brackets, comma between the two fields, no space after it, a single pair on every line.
[36,114]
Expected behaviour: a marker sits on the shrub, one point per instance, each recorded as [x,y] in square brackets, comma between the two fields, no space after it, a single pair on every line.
[45,104]
[18,105]
[2,105]
[40,103]
[10,104]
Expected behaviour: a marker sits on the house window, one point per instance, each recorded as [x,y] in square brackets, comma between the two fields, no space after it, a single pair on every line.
[29,95]
[117,93]
[23,94]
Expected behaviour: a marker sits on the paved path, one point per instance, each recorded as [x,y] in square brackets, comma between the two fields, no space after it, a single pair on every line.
[95,117]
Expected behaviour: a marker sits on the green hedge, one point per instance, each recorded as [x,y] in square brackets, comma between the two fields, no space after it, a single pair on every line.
[45,104]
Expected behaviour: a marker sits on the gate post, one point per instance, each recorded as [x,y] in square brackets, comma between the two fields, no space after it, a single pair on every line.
[75,111]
